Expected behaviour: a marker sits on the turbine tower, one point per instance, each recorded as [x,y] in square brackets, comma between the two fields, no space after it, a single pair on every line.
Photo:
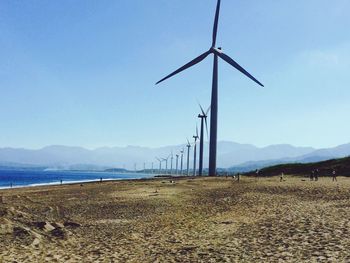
[203,116]
[182,161]
[195,137]
[188,157]
[171,162]
[218,53]
[177,163]
[166,164]
[160,165]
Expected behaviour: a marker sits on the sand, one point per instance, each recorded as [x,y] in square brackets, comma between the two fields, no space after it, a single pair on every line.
[191,220]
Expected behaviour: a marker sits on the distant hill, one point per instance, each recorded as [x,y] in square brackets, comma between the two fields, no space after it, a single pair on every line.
[235,156]
[115,170]
[311,157]
[16,166]
[253,165]
[229,153]
[341,166]
[336,152]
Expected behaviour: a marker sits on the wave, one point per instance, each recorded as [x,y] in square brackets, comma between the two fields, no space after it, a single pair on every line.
[67,182]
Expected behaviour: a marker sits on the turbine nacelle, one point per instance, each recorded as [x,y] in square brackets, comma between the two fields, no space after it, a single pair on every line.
[204,116]
[216,50]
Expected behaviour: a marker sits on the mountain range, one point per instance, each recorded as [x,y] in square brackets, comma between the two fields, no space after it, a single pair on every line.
[235,156]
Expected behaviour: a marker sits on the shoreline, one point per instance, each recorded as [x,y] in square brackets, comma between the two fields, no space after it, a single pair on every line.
[75,181]
[65,183]
[94,181]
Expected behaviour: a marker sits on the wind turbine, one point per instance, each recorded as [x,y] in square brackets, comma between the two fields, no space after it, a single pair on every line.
[166,164]
[203,118]
[177,163]
[182,160]
[188,157]
[195,137]
[171,162]
[218,53]
[160,165]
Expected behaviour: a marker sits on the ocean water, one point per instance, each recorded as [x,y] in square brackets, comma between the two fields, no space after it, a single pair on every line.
[22,178]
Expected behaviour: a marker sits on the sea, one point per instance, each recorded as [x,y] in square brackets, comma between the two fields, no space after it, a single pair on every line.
[24,178]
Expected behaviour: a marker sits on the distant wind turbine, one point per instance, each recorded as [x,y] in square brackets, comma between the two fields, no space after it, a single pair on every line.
[188,157]
[171,162]
[195,137]
[182,160]
[177,163]
[160,165]
[166,164]
[203,116]
[218,53]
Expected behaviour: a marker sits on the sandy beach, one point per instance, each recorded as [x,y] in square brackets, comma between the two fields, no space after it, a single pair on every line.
[188,220]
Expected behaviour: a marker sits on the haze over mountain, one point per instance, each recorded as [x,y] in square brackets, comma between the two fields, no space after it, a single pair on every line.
[229,154]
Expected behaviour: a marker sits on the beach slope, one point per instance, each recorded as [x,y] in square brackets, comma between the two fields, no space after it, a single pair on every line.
[185,220]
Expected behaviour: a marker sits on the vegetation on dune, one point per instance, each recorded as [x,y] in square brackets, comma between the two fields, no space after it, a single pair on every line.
[325,168]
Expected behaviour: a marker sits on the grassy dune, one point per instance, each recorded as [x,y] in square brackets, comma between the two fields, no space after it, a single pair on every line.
[341,166]
[191,220]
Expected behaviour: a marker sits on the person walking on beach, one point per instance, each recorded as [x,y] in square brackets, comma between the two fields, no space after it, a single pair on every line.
[281,177]
[334,176]
[257,173]
[312,175]
[316,174]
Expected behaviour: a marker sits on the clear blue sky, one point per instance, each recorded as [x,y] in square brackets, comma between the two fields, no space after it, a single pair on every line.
[83,72]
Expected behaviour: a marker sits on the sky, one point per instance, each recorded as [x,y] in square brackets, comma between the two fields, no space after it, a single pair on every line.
[82,72]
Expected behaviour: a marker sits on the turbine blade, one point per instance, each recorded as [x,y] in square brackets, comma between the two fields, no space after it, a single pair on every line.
[206,113]
[188,65]
[206,126]
[200,106]
[197,130]
[236,65]
[216,21]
